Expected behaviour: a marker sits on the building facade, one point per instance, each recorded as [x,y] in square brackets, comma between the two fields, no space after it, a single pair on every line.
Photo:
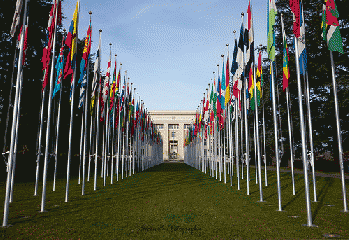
[173,127]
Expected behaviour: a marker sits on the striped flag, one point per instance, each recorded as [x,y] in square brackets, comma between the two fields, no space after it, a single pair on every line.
[223,89]
[83,66]
[113,89]
[270,29]
[302,51]
[330,27]
[227,90]
[59,71]
[286,73]
[95,77]
[250,45]
[72,44]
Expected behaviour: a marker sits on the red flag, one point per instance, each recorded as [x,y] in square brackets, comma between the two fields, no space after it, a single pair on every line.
[294,5]
[330,18]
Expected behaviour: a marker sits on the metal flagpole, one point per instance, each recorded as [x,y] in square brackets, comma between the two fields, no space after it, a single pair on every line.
[97,112]
[49,114]
[257,136]
[16,134]
[119,134]
[113,132]
[290,136]
[14,122]
[265,152]
[71,115]
[81,143]
[39,141]
[339,135]
[237,142]
[90,152]
[85,134]
[312,162]
[57,137]
[276,136]
[304,154]
[255,148]
[15,118]
[279,118]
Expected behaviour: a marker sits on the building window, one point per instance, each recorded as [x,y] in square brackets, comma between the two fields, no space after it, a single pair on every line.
[173,126]
[186,126]
[160,126]
[173,134]
[205,141]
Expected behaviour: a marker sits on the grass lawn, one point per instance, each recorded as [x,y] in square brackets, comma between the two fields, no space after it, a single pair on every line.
[175,201]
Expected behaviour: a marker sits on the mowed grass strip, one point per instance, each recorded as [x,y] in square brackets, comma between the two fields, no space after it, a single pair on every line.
[175,201]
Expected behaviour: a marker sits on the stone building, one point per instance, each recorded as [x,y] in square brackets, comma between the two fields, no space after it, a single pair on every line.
[173,127]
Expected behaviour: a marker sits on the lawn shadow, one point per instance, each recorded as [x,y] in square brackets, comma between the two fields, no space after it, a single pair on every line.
[322,194]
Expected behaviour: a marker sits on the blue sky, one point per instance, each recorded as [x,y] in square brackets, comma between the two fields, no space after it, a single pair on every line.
[170,49]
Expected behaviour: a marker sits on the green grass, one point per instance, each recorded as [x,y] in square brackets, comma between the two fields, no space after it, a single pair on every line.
[175,201]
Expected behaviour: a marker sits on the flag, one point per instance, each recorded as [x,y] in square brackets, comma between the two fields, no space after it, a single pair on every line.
[59,71]
[331,34]
[83,66]
[250,38]
[16,17]
[286,73]
[71,42]
[25,43]
[270,29]
[46,53]
[259,73]
[237,78]
[294,5]
[95,76]
[223,89]
[105,90]
[113,90]
[302,51]
[227,90]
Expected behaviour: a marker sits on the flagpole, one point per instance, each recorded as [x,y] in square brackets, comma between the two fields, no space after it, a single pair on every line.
[49,114]
[71,113]
[113,130]
[237,143]
[16,134]
[14,121]
[39,141]
[265,152]
[290,136]
[98,76]
[276,136]
[339,135]
[81,142]
[257,136]
[85,112]
[304,154]
[312,160]
[57,137]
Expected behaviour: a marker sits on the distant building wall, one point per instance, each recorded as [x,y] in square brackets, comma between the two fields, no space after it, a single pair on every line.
[172,126]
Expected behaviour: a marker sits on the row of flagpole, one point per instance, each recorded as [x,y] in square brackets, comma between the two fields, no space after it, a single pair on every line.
[215,122]
[128,134]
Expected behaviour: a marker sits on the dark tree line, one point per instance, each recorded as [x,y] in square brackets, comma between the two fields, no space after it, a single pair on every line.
[320,83]
[38,11]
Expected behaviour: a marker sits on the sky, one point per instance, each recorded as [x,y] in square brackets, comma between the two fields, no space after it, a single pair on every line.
[170,49]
